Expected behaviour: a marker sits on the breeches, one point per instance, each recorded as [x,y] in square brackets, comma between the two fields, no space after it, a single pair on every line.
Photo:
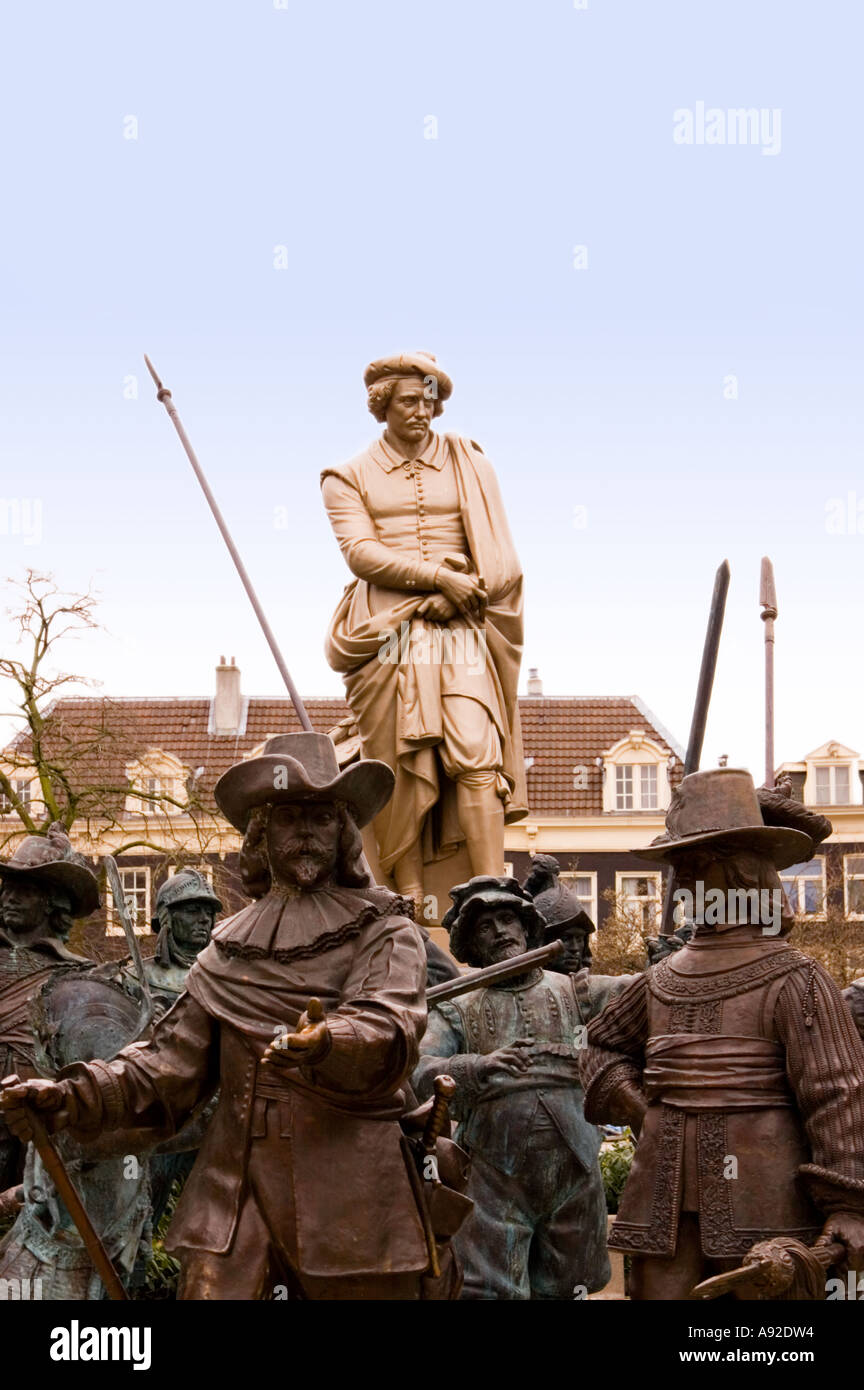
[263,1260]
[540,1234]
[471,746]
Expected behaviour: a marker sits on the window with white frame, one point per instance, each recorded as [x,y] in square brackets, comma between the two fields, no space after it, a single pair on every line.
[152,779]
[832,785]
[640,897]
[635,774]
[584,886]
[853,885]
[636,787]
[805,887]
[136,892]
[206,870]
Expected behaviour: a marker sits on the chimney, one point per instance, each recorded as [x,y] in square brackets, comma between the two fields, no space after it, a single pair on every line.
[228,707]
[535,685]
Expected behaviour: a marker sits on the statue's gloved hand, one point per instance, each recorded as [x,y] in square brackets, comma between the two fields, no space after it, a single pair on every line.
[305,1048]
[50,1098]
[847,1227]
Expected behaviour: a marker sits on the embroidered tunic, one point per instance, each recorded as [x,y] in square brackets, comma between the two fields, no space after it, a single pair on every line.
[755,1120]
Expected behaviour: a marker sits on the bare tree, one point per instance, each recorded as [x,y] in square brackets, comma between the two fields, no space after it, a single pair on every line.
[77,750]
[619,946]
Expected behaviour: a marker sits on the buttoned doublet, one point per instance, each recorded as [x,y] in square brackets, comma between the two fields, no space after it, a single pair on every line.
[397,521]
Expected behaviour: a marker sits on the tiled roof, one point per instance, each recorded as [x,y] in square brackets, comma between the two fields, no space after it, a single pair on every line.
[560,734]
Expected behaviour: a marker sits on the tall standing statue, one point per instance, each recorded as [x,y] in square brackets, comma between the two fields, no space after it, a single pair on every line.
[43,888]
[538,1229]
[428,636]
[735,1059]
[306,1011]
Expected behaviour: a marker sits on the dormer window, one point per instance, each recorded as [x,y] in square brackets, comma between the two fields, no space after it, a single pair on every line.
[831,776]
[157,781]
[636,787]
[635,775]
[832,785]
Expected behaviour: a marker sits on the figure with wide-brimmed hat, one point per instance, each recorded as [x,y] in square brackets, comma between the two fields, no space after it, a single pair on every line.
[44,887]
[428,636]
[306,1010]
[538,1229]
[735,1058]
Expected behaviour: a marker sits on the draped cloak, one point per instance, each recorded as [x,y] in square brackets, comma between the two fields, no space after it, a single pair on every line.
[352,1208]
[398,705]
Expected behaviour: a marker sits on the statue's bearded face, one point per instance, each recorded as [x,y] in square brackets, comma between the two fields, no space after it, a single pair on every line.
[303,843]
[191,924]
[23,907]
[498,935]
[410,410]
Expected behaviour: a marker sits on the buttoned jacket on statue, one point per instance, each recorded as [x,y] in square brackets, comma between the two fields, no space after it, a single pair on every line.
[496,1118]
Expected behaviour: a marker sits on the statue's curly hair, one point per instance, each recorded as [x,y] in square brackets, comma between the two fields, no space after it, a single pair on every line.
[254,862]
[380,393]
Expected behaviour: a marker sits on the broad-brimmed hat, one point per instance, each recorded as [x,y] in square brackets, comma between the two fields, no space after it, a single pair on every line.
[419,363]
[299,767]
[480,894]
[720,808]
[50,859]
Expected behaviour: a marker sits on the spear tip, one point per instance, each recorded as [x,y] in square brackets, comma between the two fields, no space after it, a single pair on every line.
[161,391]
[767,591]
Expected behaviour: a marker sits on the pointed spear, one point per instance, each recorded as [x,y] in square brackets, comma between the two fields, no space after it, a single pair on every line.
[768,602]
[164,395]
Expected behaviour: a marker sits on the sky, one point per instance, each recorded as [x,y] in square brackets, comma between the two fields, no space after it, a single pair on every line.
[657,343]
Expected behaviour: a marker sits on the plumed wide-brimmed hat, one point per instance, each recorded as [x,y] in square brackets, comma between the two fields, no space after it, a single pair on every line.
[720,808]
[420,363]
[480,894]
[297,767]
[50,859]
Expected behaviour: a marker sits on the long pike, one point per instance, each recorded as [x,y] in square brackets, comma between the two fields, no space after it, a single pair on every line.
[164,395]
[700,712]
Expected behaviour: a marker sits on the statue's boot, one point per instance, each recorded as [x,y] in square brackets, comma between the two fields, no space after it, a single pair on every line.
[481,816]
[408,877]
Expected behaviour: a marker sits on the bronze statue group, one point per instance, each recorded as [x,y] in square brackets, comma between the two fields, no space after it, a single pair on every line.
[335,1134]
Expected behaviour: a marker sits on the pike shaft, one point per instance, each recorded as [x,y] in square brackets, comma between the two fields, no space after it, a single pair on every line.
[693,755]
[164,395]
[76,1209]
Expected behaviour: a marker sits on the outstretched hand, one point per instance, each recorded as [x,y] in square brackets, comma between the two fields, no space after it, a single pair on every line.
[309,1045]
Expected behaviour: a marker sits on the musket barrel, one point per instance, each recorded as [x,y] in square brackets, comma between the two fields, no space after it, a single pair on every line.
[494,974]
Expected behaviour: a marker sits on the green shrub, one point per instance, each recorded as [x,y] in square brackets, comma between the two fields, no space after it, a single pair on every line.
[615,1158]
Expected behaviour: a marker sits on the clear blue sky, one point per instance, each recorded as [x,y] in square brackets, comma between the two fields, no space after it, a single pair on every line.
[303,127]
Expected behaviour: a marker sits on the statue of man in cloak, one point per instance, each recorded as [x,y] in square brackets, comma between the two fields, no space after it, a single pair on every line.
[428,635]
